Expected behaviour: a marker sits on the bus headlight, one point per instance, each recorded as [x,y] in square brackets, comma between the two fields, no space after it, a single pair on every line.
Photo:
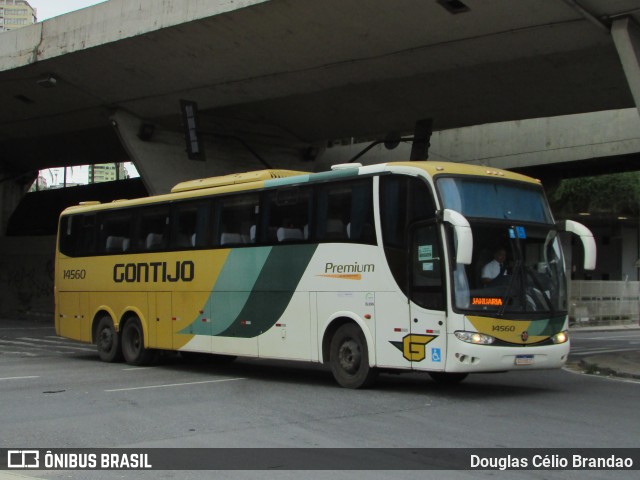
[475,337]
[561,337]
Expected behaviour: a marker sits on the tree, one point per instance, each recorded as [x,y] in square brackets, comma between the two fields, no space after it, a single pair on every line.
[617,194]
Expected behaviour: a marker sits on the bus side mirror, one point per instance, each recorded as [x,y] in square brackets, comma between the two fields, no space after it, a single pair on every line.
[588,242]
[464,236]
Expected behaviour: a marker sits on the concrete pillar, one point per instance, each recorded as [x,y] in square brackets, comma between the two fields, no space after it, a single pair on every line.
[26,264]
[626,36]
[161,159]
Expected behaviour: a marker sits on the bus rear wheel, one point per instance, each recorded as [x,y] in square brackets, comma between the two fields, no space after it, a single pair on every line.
[108,341]
[133,347]
[349,358]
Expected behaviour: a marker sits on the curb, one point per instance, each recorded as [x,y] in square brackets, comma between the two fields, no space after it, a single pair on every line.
[622,365]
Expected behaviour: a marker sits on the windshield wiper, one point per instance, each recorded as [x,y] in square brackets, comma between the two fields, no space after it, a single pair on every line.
[532,274]
[516,270]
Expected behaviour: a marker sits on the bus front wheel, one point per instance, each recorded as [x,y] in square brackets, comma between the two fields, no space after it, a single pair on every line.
[108,341]
[349,358]
[133,347]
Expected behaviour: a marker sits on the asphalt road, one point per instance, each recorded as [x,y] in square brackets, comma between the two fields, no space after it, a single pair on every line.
[598,342]
[56,393]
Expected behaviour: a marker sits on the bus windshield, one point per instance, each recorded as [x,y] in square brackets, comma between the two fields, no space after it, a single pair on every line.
[500,200]
[517,266]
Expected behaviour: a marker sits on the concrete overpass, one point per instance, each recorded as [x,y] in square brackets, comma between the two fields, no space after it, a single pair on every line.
[287,76]
[276,80]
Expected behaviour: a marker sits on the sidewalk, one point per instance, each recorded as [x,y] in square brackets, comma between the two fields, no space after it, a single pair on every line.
[625,365]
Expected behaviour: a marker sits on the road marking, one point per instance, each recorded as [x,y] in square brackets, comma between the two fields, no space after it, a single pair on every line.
[33,342]
[173,385]
[57,342]
[613,337]
[25,328]
[20,378]
[598,351]
[13,342]
[135,369]
[68,347]
[28,354]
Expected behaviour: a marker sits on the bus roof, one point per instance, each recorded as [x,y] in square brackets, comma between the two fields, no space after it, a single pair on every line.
[434,168]
[275,178]
[234,179]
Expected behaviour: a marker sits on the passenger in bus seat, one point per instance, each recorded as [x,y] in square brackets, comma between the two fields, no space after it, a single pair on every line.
[496,268]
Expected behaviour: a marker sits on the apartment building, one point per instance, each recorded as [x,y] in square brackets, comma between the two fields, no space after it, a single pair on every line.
[16,14]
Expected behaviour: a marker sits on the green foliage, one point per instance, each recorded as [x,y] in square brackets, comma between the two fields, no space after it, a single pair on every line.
[616,194]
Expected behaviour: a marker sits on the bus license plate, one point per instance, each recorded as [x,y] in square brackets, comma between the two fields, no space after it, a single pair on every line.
[524,359]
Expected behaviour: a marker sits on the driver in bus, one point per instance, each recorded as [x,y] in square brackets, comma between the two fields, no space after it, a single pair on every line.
[496,268]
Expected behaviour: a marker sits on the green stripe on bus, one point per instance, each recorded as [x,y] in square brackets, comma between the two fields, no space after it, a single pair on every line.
[282,182]
[314,177]
[231,290]
[547,328]
[272,291]
[253,290]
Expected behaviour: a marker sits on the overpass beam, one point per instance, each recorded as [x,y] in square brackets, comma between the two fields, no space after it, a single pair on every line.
[626,36]
[161,158]
[158,155]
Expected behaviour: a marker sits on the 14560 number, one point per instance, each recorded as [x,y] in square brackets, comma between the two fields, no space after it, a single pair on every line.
[74,274]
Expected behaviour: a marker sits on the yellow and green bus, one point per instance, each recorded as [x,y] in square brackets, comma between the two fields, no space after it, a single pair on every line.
[364,268]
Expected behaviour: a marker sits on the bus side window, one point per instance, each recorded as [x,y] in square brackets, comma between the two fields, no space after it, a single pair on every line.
[361,227]
[78,235]
[190,225]
[115,231]
[345,212]
[154,229]
[426,268]
[403,201]
[237,215]
[69,234]
[333,207]
[86,241]
[288,213]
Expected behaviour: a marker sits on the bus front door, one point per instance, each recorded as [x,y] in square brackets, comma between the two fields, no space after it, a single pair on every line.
[426,343]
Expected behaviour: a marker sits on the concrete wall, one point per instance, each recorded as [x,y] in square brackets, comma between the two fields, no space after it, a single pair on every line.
[26,276]
[11,192]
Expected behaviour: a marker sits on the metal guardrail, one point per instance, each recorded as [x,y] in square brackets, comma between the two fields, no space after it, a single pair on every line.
[604,303]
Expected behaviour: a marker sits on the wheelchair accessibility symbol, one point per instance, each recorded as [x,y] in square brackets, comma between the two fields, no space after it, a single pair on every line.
[436,355]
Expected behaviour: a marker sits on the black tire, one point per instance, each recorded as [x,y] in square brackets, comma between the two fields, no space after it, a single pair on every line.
[447,378]
[108,341]
[349,358]
[133,347]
